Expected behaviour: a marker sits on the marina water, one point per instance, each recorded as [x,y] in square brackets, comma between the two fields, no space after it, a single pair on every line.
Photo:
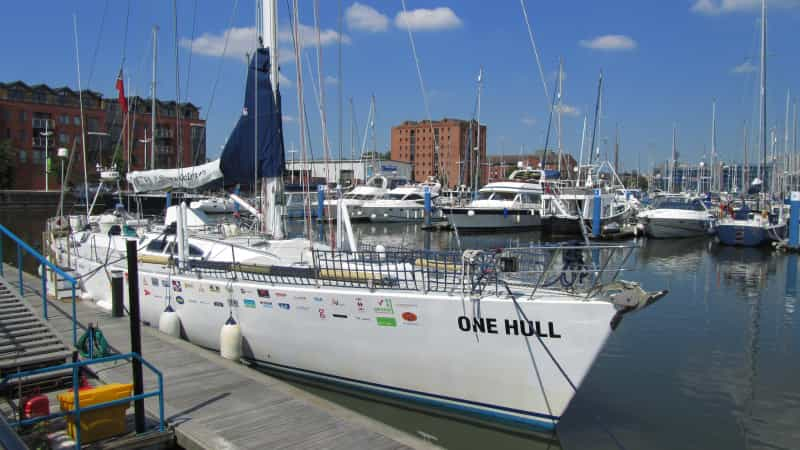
[715,364]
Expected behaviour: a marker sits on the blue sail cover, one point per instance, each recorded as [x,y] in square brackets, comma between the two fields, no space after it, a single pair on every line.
[237,158]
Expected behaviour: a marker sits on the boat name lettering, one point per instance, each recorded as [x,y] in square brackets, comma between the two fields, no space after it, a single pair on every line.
[509,327]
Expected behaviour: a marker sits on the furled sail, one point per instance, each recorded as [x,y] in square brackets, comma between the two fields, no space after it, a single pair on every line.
[166,179]
[238,159]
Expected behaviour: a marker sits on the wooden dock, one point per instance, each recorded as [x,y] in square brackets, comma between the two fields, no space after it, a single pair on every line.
[212,403]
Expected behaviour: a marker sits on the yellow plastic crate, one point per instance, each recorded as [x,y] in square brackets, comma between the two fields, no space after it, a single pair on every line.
[102,423]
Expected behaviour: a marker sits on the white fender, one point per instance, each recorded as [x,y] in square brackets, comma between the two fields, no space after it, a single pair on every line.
[230,340]
[169,323]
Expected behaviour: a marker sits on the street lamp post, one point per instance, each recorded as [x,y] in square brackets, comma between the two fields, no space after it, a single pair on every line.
[47,133]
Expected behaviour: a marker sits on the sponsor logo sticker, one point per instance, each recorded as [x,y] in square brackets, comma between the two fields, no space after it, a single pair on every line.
[409,316]
[266,304]
[384,306]
[263,293]
[386,321]
[284,306]
[280,294]
[219,304]
[249,303]
[154,281]
[176,286]
[146,292]
[340,316]
[179,299]
[319,299]
[322,313]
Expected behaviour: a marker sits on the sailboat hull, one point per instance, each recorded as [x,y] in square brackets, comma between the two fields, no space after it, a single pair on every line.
[423,347]
[744,233]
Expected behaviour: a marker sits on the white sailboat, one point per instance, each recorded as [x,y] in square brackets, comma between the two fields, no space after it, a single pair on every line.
[505,335]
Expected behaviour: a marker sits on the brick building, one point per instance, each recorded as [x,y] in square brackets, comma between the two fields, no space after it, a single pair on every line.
[501,166]
[31,114]
[415,142]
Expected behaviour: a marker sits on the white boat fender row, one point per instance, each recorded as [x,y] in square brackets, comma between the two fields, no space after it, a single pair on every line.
[169,323]
[230,340]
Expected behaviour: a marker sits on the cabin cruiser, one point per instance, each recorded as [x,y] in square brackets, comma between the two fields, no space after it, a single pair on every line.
[568,206]
[677,216]
[401,204]
[515,203]
[214,205]
[374,188]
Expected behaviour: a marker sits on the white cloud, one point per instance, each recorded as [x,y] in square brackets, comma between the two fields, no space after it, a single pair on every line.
[422,19]
[717,7]
[242,41]
[745,67]
[568,110]
[610,42]
[365,18]
[332,80]
[528,121]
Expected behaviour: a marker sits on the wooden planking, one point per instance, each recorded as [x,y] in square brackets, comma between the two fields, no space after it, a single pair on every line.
[214,403]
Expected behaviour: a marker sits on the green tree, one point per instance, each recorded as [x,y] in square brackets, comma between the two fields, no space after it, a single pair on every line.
[7,165]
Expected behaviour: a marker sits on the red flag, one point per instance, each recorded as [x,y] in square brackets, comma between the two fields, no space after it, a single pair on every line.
[123,102]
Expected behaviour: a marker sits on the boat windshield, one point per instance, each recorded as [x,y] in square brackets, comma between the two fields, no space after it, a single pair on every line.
[691,204]
[508,196]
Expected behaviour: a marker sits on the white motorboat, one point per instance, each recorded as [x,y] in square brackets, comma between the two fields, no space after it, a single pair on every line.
[214,205]
[677,216]
[374,188]
[401,204]
[516,203]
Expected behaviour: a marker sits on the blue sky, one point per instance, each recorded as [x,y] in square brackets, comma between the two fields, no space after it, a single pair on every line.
[663,61]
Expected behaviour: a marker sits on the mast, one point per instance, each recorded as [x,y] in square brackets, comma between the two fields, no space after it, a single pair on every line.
[763,92]
[153,102]
[674,159]
[596,118]
[714,178]
[272,187]
[746,171]
[477,179]
[560,93]
[616,150]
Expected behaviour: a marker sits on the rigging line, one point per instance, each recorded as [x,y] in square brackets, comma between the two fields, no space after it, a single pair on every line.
[533,45]
[97,45]
[191,51]
[323,116]
[521,312]
[421,82]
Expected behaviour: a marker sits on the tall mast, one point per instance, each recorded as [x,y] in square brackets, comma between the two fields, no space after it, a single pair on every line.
[616,150]
[763,91]
[269,39]
[596,117]
[714,177]
[560,93]
[477,182]
[674,159]
[746,171]
[153,102]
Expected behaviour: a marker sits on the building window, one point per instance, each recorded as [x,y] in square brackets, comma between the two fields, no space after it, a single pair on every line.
[63,120]
[76,120]
[63,138]
[23,156]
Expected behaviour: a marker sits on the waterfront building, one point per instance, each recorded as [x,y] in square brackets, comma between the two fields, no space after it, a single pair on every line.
[458,145]
[38,119]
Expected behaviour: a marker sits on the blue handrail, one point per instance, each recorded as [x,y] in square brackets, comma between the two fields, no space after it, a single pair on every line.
[77,409]
[22,246]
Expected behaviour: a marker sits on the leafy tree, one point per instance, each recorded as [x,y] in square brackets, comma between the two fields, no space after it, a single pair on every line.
[7,165]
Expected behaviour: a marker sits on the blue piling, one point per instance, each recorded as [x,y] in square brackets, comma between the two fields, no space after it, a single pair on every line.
[794,220]
[236,205]
[427,205]
[169,199]
[596,214]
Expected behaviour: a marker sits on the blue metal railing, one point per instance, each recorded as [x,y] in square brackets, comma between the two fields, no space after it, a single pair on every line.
[77,409]
[22,246]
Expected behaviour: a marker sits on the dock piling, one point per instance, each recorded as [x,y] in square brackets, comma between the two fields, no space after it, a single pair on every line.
[117,297]
[136,336]
[596,214]
[794,220]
